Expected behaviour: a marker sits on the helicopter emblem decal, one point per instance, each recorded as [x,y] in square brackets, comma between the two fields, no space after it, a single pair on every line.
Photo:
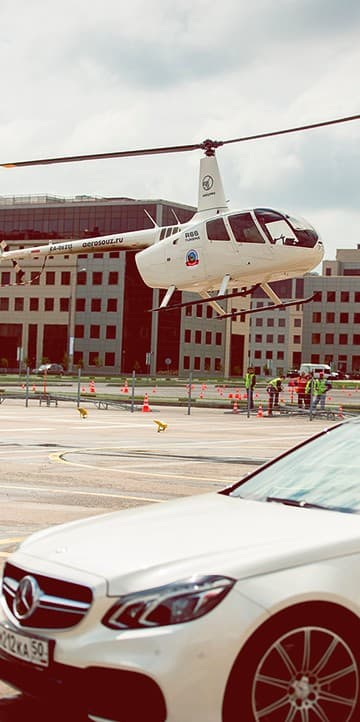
[207,182]
[192,258]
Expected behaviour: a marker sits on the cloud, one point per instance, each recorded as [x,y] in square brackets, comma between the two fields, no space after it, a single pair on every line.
[80,78]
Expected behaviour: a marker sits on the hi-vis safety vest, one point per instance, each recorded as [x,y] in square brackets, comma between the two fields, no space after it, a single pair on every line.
[275,382]
[249,381]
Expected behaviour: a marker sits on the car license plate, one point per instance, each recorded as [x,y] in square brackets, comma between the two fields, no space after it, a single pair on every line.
[24,647]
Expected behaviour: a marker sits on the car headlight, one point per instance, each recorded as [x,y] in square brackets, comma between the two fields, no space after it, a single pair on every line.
[173,603]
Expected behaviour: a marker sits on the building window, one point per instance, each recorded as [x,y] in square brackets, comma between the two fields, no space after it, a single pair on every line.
[209,312]
[197,363]
[207,363]
[114,254]
[280,355]
[197,336]
[208,337]
[81,278]
[343,339]
[113,278]
[186,362]
[356,317]
[5,278]
[269,338]
[96,304]
[80,304]
[281,322]
[258,322]
[281,338]
[48,304]
[297,339]
[330,317]
[109,358]
[97,278]
[330,296]
[65,278]
[315,338]
[50,278]
[218,364]
[187,335]
[257,353]
[218,338]
[111,304]
[344,317]
[93,358]
[270,322]
[258,338]
[35,278]
[19,304]
[33,304]
[356,339]
[297,322]
[188,312]
[94,331]
[64,304]
[344,296]
[4,304]
[329,338]
[357,297]
[110,331]
[79,330]
[269,354]
[98,255]
[199,310]
[78,358]
[316,317]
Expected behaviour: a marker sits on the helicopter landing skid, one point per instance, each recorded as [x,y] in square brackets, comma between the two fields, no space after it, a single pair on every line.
[297,301]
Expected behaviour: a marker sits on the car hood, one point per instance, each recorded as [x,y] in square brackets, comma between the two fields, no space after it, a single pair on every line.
[209,533]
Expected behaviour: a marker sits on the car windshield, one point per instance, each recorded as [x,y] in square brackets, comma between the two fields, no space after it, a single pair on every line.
[322,472]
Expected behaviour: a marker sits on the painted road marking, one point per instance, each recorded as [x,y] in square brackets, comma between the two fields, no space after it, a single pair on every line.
[75,492]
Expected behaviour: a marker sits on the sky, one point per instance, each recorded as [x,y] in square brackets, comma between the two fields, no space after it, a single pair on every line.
[80,77]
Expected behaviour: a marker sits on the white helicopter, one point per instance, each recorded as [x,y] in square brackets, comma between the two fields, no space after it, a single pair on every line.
[219,249]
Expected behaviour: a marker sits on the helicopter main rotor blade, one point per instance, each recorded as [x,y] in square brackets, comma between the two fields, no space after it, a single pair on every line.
[207,145]
[296,129]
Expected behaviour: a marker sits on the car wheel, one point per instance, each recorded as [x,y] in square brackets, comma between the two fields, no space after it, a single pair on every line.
[301,666]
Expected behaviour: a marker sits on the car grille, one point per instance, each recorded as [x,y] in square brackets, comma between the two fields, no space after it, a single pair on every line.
[60,604]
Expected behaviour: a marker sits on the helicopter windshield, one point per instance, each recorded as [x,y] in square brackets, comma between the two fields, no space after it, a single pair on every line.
[286,230]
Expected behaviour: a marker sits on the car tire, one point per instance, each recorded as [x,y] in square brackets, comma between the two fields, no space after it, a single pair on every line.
[303,665]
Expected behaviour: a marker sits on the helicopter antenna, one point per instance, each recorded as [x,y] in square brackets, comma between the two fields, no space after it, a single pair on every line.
[151,218]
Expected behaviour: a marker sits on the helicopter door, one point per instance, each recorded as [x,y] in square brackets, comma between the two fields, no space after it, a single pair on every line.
[249,240]
[276,228]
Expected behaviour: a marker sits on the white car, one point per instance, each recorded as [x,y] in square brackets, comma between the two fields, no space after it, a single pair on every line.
[238,606]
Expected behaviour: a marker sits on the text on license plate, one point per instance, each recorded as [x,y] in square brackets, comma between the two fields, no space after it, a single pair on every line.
[24,647]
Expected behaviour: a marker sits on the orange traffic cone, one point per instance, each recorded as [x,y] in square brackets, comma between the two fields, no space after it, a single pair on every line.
[340,414]
[235,408]
[145,406]
[125,389]
[260,411]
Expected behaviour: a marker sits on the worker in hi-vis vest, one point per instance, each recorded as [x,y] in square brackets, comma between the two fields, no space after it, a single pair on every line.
[250,383]
[274,388]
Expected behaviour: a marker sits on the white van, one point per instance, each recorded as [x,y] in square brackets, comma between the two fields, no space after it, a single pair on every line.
[316,369]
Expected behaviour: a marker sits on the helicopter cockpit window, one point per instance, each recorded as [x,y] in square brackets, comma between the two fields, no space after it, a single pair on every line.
[244,229]
[216,230]
[284,230]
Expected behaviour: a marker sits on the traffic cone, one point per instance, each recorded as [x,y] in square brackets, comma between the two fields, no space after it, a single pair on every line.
[340,414]
[92,387]
[125,389]
[260,411]
[145,406]
[235,408]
